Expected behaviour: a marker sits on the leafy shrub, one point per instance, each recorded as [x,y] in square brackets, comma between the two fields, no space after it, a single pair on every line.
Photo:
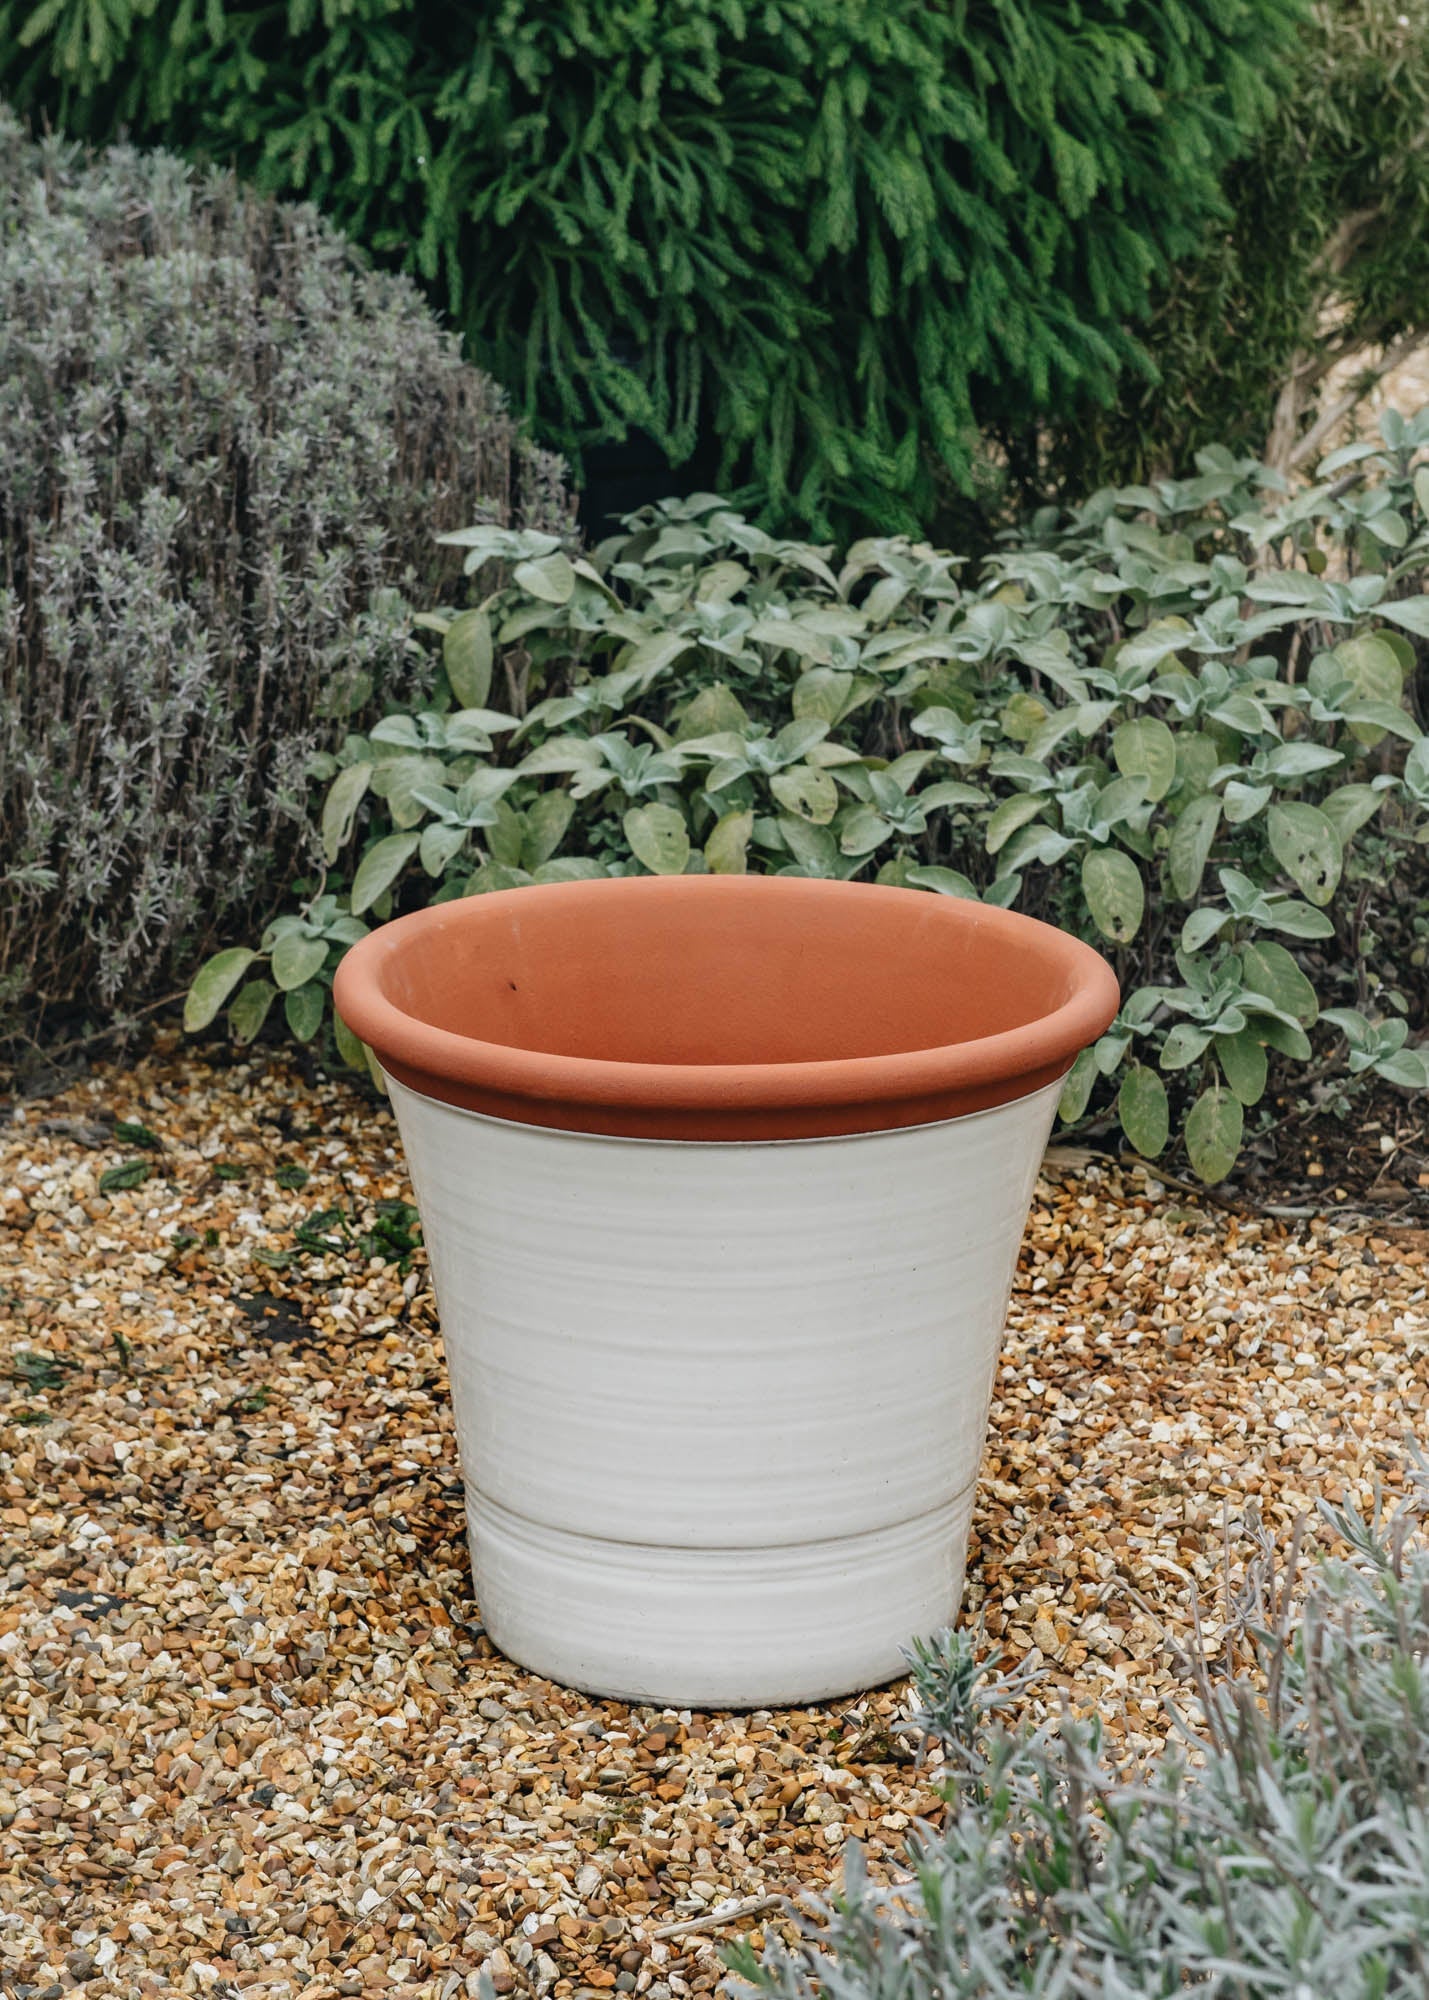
[1325,257]
[222,442]
[1281,1852]
[1174,722]
[842,235]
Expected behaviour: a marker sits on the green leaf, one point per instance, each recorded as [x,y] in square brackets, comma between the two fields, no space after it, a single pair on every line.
[651,656]
[297,959]
[1201,926]
[506,836]
[213,982]
[1214,1129]
[345,794]
[1023,716]
[811,794]
[1009,816]
[1298,920]
[1271,971]
[380,867]
[1285,1036]
[439,843]
[1192,838]
[1407,1067]
[1373,670]
[1308,848]
[1183,1045]
[813,847]
[945,881]
[550,578]
[250,1010]
[1196,758]
[1388,527]
[350,1047]
[408,784]
[1144,1110]
[727,849]
[1145,750]
[825,694]
[304,1008]
[134,1134]
[1410,612]
[572,868]
[798,737]
[132,1174]
[467,656]
[949,792]
[1114,892]
[1243,1064]
[714,710]
[547,819]
[659,838]
[862,831]
[1077,1089]
[1350,807]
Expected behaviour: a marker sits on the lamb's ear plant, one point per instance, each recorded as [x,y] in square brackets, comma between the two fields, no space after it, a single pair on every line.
[1180,721]
[1278,1846]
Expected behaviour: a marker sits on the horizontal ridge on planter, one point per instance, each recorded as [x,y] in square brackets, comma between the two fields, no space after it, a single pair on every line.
[724,1007]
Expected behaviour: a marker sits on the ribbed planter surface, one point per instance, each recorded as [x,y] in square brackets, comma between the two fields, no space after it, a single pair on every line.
[723,1180]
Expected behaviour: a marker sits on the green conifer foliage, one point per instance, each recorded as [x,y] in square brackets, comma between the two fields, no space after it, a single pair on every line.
[842,233]
[1324,257]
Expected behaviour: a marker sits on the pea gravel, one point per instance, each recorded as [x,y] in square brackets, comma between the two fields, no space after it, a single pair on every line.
[252,1737]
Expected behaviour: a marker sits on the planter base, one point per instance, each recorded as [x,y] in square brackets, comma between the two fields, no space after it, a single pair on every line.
[716,1628]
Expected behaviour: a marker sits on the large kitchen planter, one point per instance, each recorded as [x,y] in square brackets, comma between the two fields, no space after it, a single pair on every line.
[723,1180]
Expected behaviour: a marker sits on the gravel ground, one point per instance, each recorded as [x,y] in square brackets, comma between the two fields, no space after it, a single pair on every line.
[251,1734]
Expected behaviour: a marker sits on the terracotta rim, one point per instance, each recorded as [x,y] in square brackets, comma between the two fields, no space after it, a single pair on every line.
[722,1099]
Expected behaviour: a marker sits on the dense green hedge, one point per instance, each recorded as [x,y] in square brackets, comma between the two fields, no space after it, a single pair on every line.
[841,235]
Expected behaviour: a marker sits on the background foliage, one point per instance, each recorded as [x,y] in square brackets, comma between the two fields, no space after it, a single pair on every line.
[1324,257]
[1279,1850]
[222,445]
[840,235]
[1178,721]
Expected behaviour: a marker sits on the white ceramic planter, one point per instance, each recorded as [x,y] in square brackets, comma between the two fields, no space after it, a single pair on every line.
[720,1400]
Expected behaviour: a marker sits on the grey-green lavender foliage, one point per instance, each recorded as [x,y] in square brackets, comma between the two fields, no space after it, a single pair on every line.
[223,443]
[1280,1847]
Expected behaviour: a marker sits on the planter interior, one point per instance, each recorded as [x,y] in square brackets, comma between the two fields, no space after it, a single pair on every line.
[721,1400]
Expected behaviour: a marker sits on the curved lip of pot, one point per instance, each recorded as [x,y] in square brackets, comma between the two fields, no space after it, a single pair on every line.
[453,956]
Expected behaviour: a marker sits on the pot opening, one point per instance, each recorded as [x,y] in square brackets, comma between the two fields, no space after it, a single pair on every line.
[726,978]
[723,1006]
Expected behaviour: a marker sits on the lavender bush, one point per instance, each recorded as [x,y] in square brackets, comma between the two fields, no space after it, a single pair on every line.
[224,444]
[1281,1849]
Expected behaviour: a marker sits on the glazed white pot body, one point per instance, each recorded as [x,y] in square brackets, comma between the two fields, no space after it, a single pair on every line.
[720,1407]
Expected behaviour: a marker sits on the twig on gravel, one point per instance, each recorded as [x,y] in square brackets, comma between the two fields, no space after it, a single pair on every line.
[716,1918]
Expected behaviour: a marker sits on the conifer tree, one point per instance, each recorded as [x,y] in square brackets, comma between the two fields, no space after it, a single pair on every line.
[841,234]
